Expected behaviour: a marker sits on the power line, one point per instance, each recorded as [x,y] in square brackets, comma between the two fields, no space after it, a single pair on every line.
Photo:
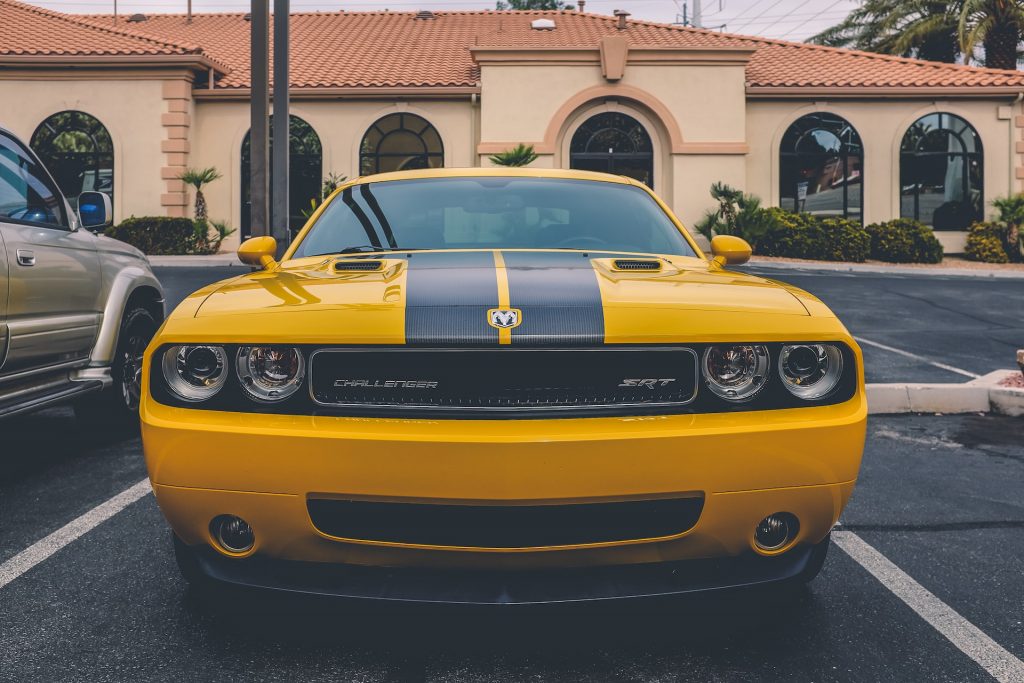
[797,28]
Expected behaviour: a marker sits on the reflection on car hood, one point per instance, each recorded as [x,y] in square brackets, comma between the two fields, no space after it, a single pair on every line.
[446,297]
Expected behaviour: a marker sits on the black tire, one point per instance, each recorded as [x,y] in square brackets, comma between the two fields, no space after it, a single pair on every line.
[117,407]
[188,565]
[816,561]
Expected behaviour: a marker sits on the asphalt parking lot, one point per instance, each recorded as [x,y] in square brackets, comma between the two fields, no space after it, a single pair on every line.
[939,497]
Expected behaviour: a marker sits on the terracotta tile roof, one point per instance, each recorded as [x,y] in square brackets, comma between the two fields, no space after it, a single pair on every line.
[30,30]
[387,49]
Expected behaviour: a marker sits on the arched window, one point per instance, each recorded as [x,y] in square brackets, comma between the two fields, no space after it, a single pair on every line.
[400,142]
[821,167]
[76,148]
[305,173]
[941,172]
[612,142]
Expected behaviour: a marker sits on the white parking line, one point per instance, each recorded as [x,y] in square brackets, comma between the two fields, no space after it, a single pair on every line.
[45,547]
[908,354]
[1001,664]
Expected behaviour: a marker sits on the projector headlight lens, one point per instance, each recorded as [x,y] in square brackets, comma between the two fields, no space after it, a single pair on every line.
[736,372]
[270,373]
[810,371]
[195,373]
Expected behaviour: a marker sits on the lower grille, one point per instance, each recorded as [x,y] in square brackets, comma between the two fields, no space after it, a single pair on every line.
[504,526]
[488,380]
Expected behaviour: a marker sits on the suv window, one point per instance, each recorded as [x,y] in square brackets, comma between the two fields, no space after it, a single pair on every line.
[26,193]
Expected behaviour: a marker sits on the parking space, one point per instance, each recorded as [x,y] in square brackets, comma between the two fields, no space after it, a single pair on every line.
[938,496]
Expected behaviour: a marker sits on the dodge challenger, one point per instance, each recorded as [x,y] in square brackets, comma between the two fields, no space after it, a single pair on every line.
[500,386]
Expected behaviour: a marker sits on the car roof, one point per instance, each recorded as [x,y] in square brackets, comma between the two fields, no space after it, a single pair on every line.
[496,172]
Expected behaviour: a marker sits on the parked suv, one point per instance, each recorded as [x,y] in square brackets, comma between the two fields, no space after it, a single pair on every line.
[77,309]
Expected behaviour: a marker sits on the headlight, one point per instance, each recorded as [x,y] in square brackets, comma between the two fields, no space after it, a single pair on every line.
[195,373]
[810,371]
[736,372]
[270,373]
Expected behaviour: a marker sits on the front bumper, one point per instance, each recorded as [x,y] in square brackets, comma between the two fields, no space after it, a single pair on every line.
[265,468]
[531,587]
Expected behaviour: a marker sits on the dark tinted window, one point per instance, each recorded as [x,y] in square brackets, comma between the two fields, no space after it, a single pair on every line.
[26,193]
[494,213]
[822,167]
[76,148]
[941,165]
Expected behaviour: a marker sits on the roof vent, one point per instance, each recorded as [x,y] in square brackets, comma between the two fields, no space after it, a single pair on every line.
[543,24]
[247,16]
[344,266]
[425,14]
[636,264]
[136,18]
[622,15]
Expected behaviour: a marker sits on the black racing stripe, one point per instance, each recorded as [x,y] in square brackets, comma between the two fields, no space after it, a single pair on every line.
[559,296]
[447,298]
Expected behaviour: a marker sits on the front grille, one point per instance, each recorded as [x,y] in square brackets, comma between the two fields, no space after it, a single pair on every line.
[520,380]
[632,264]
[504,526]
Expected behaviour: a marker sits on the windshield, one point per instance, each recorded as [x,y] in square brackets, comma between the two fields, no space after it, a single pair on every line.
[493,213]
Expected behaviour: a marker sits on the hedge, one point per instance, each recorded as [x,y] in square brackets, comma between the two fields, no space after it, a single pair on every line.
[802,235]
[904,240]
[164,236]
[985,242]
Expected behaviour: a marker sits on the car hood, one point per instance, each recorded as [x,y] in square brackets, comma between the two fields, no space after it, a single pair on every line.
[445,297]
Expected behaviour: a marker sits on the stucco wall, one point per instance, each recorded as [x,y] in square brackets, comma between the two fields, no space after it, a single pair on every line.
[220,127]
[881,125]
[131,111]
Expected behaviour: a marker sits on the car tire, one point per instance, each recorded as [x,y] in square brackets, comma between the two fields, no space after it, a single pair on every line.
[188,564]
[118,406]
[816,561]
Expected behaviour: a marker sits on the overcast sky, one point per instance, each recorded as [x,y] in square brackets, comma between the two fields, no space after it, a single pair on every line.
[789,19]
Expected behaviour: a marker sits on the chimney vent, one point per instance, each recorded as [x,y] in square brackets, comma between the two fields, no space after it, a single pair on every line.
[622,15]
[425,14]
[580,4]
[136,18]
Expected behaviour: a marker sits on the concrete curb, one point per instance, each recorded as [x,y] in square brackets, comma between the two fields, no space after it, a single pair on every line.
[816,266]
[980,395]
[217,260]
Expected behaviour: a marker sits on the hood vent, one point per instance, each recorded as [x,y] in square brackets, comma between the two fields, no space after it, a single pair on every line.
[649,265]
[363,266]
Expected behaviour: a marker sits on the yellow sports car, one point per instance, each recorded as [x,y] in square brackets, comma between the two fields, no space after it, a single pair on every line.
[501,386]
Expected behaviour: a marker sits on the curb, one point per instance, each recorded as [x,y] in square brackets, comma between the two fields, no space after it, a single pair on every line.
[217,260]
[980,395]
[886,270]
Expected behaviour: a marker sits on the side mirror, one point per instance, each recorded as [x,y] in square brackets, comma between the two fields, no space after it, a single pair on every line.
[730,250]
[258,252]
[95,211]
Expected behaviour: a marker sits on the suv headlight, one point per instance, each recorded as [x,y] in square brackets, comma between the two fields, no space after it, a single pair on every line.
[270,373]
[736,372]
[810,371]
[195,373]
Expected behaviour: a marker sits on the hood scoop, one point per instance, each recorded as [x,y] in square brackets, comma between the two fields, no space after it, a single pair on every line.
[636,265]
[358,265]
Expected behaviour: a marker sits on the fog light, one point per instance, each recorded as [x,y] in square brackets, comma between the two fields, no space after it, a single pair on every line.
[233,534]
[775,531]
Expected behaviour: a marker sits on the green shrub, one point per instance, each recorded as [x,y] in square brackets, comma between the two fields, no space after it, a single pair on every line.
[985,242]
[162,235]
[801,235]
[904,240]
[738,214]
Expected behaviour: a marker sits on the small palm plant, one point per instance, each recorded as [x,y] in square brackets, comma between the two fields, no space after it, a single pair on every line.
[197,178]
[738,214]
[520,155]
[1011,212]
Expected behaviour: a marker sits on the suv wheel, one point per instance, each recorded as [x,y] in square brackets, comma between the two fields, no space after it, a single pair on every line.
[119,405]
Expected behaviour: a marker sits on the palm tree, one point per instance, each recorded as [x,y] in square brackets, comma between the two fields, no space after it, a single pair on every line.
[926,29]
[520,155]
[996,25]
[197,178]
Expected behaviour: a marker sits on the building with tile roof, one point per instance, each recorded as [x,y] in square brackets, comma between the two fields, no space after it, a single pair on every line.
[825,130]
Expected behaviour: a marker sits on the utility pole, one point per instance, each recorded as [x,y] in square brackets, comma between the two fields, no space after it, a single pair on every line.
[279,209]
[258,134]
[697,13]
[115,11]
[189,20]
